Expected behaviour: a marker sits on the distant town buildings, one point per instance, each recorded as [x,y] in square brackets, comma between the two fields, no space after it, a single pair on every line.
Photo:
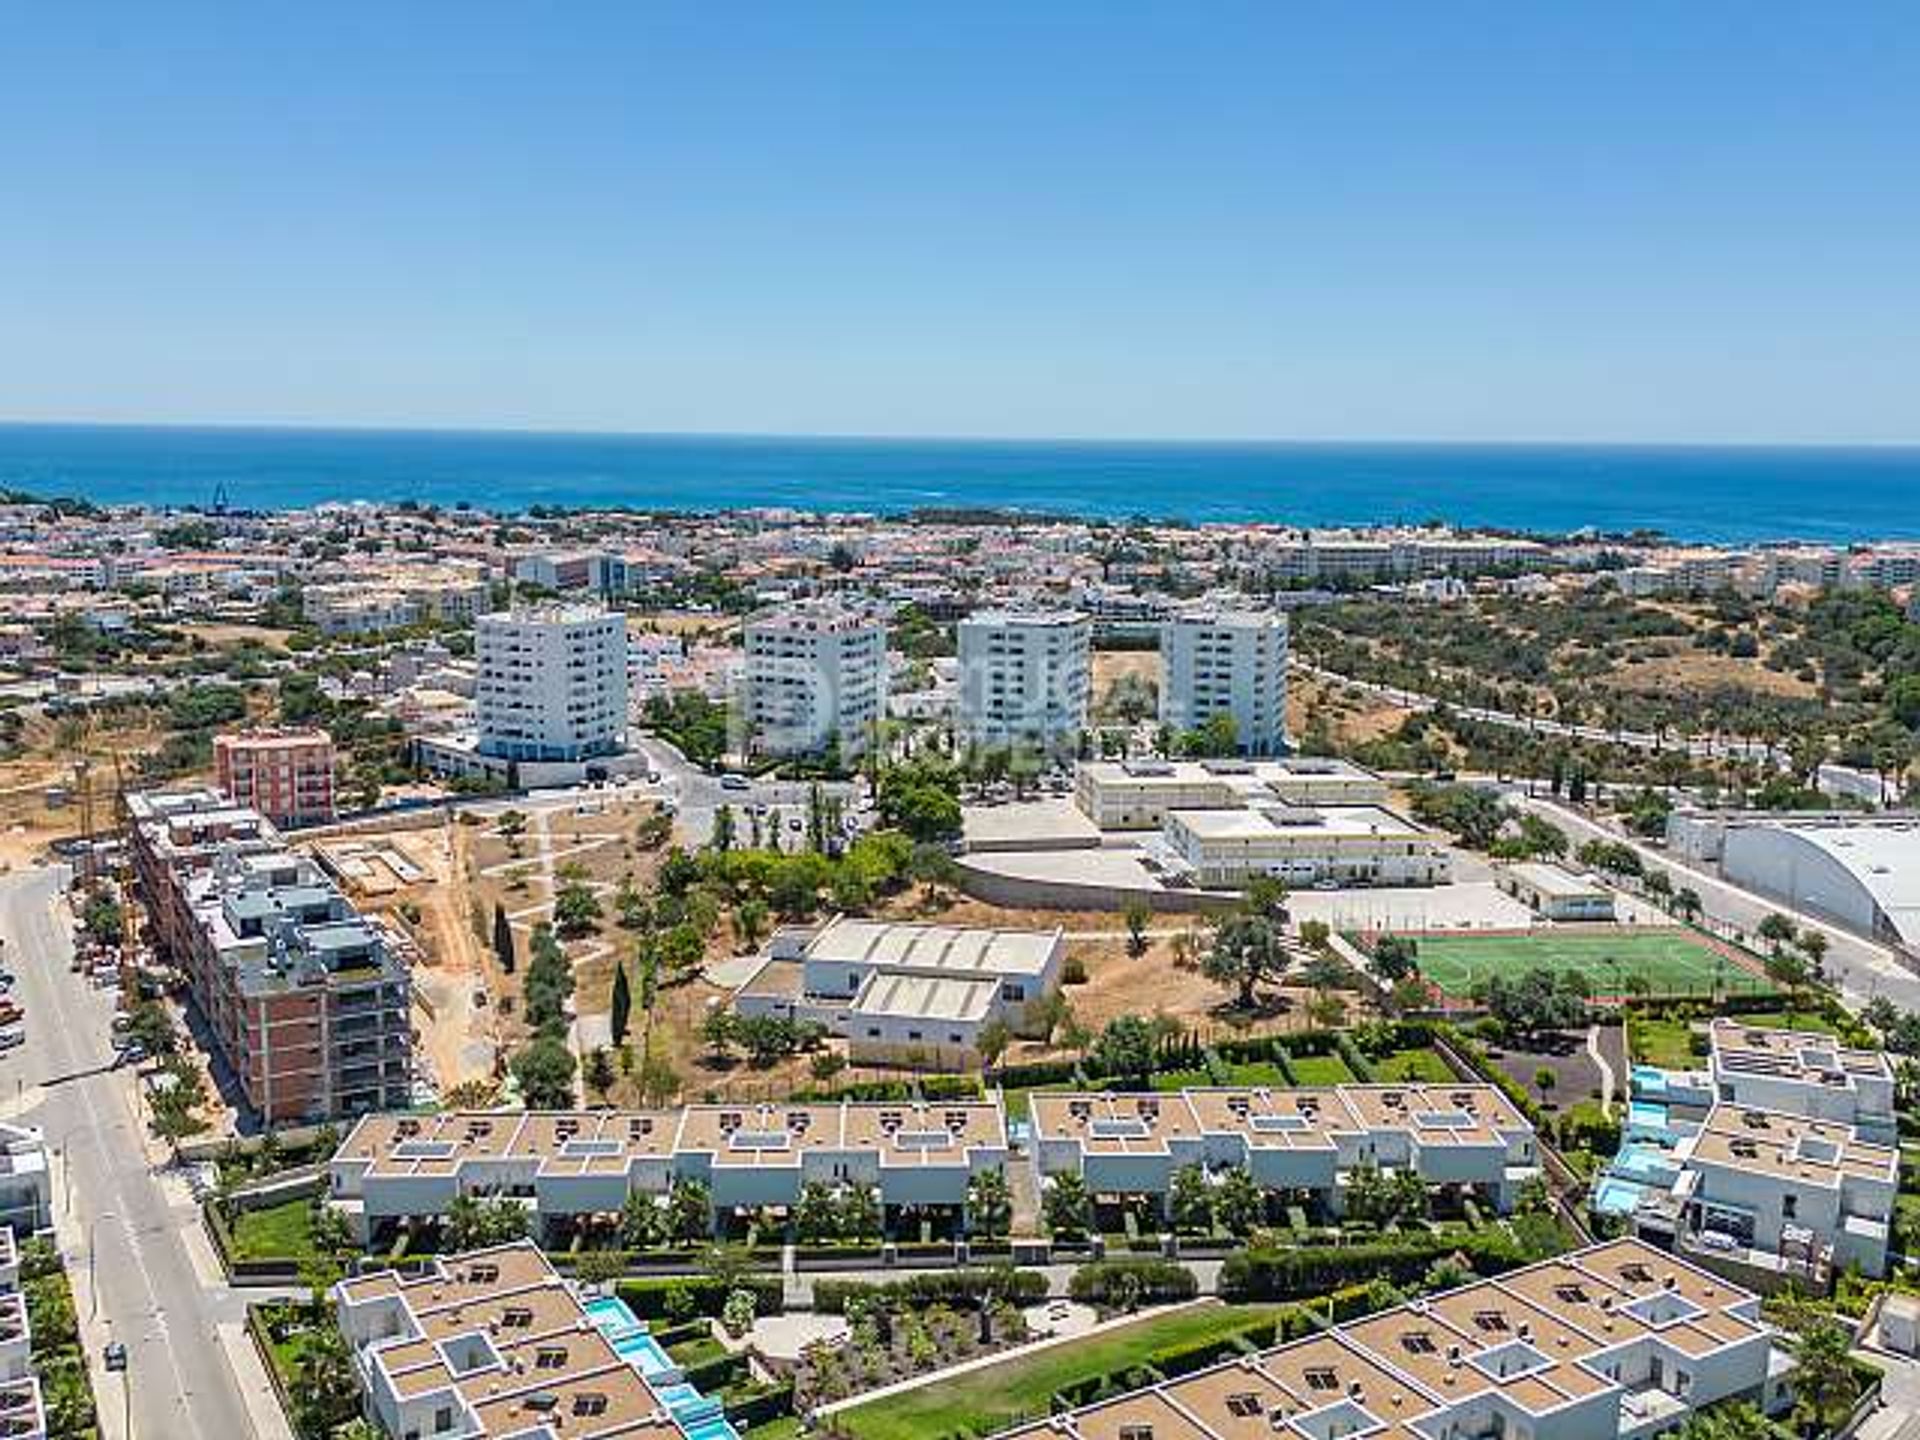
[564,572]
[1024,681]
[815,679]
[302,997]
[287,775]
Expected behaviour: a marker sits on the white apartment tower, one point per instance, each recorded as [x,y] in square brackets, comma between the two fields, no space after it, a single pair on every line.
[1234,661]
[553,682]
[816,677]
[1023,680]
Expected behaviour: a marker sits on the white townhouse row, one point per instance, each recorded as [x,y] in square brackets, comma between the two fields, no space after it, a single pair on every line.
[495,1343]
[564,1165]
[904,993]
[1307,1141]
[1804,1073]
[22,1413]
[1618,1341]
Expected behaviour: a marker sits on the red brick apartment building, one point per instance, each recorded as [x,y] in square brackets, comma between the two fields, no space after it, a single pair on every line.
[287,775]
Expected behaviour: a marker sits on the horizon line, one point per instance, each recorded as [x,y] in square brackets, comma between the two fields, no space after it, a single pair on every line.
[882,437]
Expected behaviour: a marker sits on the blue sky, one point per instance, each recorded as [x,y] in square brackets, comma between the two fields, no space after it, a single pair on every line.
[1607,221]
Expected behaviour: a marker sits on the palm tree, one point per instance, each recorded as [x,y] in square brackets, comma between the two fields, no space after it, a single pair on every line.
[989,1205]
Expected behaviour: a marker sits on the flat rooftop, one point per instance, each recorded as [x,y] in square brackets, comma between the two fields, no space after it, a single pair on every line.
[1554,880]
[938,949]
[611,1142]
[1793,1054]
[1535,1336]
[1277,1119]
[1788,1147]
[1279,821]
[503,1332]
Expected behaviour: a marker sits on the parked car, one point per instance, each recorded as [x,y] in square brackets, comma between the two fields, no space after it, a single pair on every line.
[12,1035]
[732,781]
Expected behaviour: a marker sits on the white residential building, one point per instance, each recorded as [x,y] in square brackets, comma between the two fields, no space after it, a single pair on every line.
[1779,1193]
[816,677]
[552,683]
[567,1164]
[1024,680]
[26,1187]
[1619,1341]
[1804,1073]
[1470,1137]
[906,994]
[1231,661]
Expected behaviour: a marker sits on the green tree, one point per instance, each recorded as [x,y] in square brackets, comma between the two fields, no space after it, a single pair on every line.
[689,1211]
[324,1389]
[1066,1208]
[544,1071]
[750,919]
[600,1074]
[621,1011]
[1239,1204]
[643,1223]
[989,1205]
[1138,918]
[503,938]
[576,909]
[1190,1201]
[1246,951]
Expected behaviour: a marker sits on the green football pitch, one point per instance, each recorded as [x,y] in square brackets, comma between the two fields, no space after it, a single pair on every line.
[1672,962]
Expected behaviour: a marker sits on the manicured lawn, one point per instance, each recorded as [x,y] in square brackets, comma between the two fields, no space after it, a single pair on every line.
[279,1232]
[1665,1043]
[1672,962]
[1255,1072]
[992,1398]
[785,1427]
[1180,1079]
[1320,1070]
[1423,1066]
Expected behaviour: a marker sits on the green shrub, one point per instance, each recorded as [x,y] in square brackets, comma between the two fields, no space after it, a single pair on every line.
[1133,1281]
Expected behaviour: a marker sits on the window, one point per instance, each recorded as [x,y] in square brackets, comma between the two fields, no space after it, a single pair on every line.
[516,1317]
[1243,1404]
[1136,1432]
[1570,1294]
[1636,1274]
[443,1418]
[1788,1205]
[590,1402]
[1491,1322]
[483,1273]
[549,1357]
[1321,1378]
[1417,1342]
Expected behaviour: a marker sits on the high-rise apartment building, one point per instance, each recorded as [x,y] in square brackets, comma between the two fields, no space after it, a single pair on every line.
[1227,661]
[816,677]
[1023,680]
[552,683]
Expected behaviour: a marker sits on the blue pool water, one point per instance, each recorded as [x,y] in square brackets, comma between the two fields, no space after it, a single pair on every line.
[1614,1196]
[1649,1080]
[1647,1163]
[1648,1118]
[699,1417]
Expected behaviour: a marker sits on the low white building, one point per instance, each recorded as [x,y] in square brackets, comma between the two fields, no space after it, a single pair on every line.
[566,1165]
[1300,846]
[1307,1141]
[1139,794]
[906,994]
[26,1186]
[1555,893]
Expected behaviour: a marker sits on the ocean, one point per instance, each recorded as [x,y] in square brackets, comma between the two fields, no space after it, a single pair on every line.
[1690,493]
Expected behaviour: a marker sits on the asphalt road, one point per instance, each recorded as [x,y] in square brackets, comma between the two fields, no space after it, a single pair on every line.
[150,1296]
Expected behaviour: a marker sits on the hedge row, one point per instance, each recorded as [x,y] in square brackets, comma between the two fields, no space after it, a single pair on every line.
[1171,1361]
[652,1299]
[1138,1281]
[932,1088]
[935,1287]
[1290,1274]
[762,1405]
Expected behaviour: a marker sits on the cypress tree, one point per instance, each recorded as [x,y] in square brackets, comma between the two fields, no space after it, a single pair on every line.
[622,1004]
[503,937]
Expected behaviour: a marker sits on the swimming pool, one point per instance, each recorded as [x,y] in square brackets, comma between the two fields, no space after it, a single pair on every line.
[697,1415]
[1645,1163]
[1614,1196]
[1647,1117]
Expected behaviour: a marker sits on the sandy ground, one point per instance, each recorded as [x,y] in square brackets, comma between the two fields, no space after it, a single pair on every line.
[1696,670]
[1353,715]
